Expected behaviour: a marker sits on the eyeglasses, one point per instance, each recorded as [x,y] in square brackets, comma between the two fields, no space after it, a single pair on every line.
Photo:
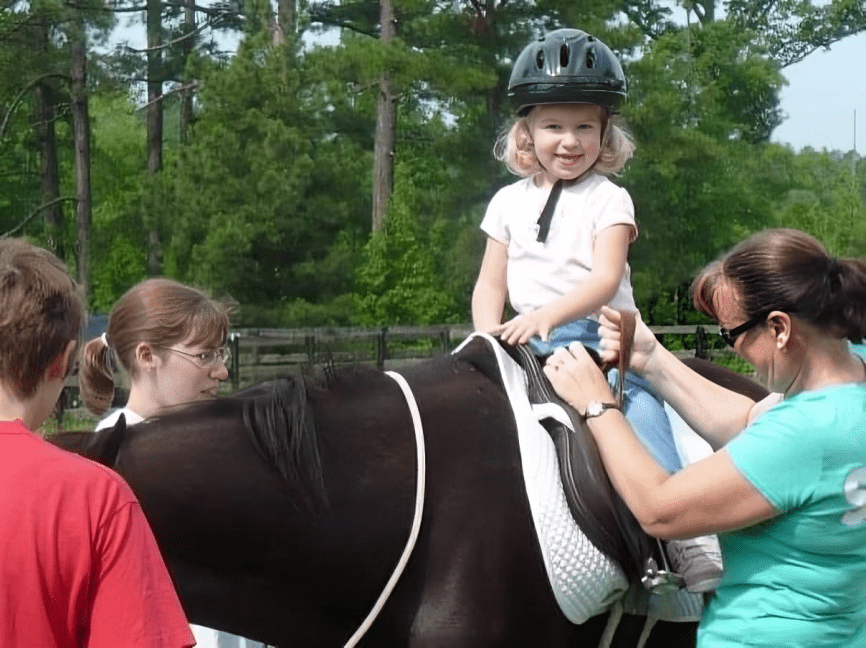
[204,359]
[731,336]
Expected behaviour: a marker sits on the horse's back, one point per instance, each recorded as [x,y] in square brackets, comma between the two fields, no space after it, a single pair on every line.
[727,378]
[478,572]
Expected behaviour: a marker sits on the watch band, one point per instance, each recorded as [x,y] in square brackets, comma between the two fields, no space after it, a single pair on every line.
[596,408]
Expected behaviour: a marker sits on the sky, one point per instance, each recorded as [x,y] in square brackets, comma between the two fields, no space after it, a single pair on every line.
[824,90]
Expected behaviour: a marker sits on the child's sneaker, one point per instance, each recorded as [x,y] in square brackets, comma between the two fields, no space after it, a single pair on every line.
[698,561]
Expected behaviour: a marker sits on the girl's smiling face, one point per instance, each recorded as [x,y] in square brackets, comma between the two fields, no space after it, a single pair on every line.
[567,139]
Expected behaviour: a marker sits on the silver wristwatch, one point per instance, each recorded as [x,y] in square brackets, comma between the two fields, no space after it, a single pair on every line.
[596,408]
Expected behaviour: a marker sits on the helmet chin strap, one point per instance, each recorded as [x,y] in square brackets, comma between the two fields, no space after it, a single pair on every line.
[547,212]
[543,223]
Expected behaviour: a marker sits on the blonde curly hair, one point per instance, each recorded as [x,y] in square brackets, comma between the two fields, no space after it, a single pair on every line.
[516,148]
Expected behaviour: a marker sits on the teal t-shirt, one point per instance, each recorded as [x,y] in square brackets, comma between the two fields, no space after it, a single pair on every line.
[799,579]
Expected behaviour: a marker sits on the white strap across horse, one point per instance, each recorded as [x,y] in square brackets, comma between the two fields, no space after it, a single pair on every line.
[419,509]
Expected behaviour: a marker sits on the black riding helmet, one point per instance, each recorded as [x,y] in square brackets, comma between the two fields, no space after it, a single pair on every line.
[567,66]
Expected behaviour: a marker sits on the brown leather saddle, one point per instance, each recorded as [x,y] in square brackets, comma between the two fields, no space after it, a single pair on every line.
[594,504]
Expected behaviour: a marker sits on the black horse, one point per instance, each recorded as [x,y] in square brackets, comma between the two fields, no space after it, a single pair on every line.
[282,512]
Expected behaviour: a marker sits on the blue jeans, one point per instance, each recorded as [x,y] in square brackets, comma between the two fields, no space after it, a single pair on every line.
[643,409]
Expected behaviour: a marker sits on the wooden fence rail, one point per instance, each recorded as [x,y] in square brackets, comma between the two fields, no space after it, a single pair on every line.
[260,354]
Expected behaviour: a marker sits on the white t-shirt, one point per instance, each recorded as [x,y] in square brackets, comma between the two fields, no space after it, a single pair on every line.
[131,418]
[538,273]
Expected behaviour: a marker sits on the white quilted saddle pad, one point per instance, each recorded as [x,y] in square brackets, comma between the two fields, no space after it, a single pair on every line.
[585,582]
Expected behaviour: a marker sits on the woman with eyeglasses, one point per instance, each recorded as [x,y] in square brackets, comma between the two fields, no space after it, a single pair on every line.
[785,488]
[169,339]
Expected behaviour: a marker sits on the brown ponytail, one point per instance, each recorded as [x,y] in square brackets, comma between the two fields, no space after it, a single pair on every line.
[791,271]
[96,376]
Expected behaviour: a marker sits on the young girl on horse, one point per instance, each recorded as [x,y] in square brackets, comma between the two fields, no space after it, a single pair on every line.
[558,239]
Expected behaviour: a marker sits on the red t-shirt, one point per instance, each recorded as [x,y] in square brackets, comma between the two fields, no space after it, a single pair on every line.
[79,567]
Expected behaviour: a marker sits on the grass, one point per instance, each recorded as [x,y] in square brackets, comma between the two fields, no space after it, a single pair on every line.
[74,420]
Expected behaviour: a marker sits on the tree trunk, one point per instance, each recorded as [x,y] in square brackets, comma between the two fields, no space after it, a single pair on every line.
[154,119]
[386,120]
[285,23]
[46,134]
[186,95]
[81,129]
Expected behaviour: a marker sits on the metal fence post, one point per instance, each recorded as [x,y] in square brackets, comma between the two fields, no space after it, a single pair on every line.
[382,347]
[235,373]
[701,343]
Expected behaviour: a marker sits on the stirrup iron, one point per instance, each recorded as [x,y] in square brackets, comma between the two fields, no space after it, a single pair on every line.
[661,581]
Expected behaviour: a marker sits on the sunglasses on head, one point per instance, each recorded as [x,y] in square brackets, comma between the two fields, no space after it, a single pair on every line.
[731,336]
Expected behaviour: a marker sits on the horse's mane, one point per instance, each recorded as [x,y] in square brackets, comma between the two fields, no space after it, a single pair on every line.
[279,417]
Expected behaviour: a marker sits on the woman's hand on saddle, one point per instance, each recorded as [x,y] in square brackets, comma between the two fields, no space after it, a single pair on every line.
[610,330]
[519,329]
[576,378]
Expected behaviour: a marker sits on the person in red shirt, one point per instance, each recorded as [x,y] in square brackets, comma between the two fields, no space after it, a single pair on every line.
[79,567]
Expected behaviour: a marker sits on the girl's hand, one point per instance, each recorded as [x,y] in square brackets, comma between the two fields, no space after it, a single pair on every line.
[576,378]
[523,327]
[645,342]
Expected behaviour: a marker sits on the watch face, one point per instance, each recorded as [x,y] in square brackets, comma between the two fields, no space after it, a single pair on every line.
[594,408]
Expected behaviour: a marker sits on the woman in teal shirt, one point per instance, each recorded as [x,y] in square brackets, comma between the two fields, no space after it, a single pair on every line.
[786,487]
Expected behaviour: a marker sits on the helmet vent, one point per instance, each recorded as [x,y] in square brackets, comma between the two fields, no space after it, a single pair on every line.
[590,59]
[564,55]
[539,59]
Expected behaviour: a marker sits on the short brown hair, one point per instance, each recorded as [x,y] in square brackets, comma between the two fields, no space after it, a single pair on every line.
[41,311]
[161,312]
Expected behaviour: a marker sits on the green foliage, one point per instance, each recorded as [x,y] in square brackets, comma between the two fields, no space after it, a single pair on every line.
[275,184]
[121,266]
[733,362]
[702,102]
[712,79]
[339,311]
[70,422]
[297,313]
[118,259]
[823,196]
[396,283]
[270,201]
